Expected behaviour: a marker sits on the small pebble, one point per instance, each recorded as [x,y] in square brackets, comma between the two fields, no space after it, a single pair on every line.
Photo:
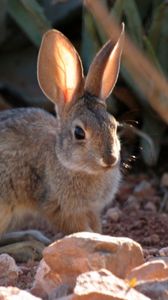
[164,180]
[150,253]
[133,203]
[9,271]
[113,214]
[155,199]
[163,251]
[153,251]
[144,189]
[155,238]
[147,240]
[150,206]
[136,225]
[131,199]
[152,240]
[144,185]
[104,222]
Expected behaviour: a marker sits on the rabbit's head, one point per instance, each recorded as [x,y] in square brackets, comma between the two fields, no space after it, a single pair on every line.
[86,133]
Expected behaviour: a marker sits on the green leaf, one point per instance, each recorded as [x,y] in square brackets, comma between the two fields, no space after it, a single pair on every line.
[156,3]
[155,129]
[90,40]
[18,76]
[101,36]
[117,10]
[134,24]
[144,7]
[158,34]
[151,53]
[62,12]
[132,85]
[133,20]
[3,11]
[30,17]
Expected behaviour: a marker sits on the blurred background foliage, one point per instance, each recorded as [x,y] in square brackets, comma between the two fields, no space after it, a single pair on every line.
[22,24]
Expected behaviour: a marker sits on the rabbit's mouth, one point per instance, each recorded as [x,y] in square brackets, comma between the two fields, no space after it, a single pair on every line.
[92,168]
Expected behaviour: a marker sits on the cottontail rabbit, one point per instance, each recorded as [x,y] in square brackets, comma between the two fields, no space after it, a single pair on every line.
[64,168]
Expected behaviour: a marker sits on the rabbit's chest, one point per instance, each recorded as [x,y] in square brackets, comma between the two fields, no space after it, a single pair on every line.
[107,189]
[80,192]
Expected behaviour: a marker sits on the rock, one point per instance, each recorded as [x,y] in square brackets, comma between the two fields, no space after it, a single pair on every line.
[163,251]
[164,180]
[84,251]
[45,280]
[151,253]
[150,206]
[153,239]
[103,285]
[113,214]
[9,271]
[61,292]
[133,203]
[156,290]
[62,298]
[13,293]
[24,250]
[144,189]
[149,271]
[162,258]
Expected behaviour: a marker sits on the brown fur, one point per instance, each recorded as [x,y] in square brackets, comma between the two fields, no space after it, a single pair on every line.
[45,170]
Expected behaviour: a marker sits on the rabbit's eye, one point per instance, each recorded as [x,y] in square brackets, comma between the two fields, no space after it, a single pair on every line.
[79,133]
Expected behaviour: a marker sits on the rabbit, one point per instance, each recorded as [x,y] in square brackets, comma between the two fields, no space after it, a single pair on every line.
[64,168]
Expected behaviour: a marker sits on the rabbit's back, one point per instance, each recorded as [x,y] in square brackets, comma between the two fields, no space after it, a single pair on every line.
[24,123]
[26,137]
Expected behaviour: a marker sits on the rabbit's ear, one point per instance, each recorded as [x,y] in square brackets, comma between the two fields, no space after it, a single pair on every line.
[103,71]
[59,68]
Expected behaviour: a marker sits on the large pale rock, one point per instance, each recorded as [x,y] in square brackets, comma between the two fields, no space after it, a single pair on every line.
[9,271]
[149,271]
[13,293]
[103,285]
[83,252]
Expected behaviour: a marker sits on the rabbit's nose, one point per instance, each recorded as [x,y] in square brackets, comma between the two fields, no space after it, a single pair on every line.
[109,160]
